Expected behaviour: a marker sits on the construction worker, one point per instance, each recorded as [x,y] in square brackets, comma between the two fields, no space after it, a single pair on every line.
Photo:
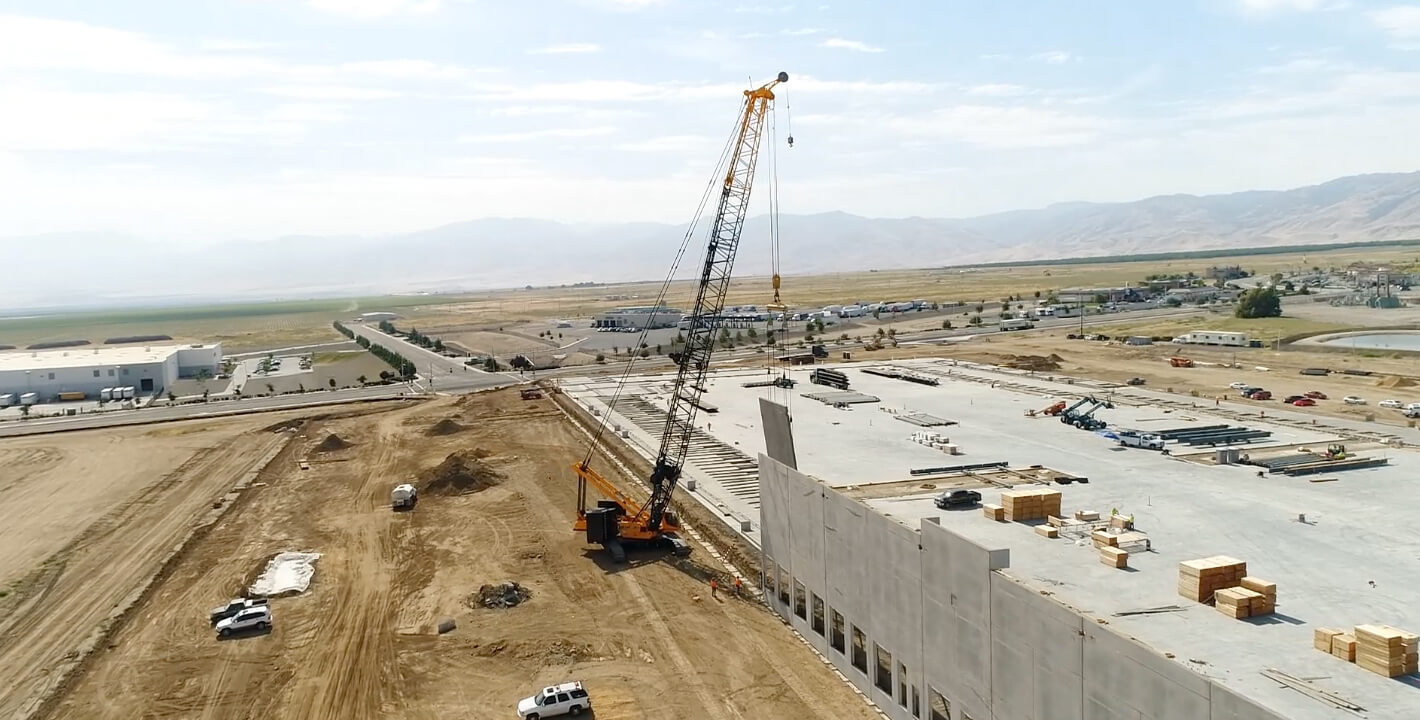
[739,586]
[714,586]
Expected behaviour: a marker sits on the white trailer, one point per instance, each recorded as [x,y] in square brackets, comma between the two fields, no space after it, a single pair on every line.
[105,394]
[8,399]
[1213,337]
[852,311]
[1016,324]
[1043,312]
[129,392]
[29,398]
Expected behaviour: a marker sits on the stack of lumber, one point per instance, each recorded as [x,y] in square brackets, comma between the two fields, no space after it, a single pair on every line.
[1236,602]
[1199,580]
[1104,538]
[1114,557]
[1087,515]
[1385,650]
[1034,504]
[1046,531]
[1322,638]
[995,512]
[1267,604]
[1343,645]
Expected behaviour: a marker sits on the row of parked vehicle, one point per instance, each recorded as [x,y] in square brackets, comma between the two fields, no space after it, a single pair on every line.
[1309,398]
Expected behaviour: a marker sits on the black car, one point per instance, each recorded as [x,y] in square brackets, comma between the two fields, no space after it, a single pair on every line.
[958,498]
[1292,398]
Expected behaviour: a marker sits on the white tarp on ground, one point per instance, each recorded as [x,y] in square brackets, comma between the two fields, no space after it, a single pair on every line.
[288,572]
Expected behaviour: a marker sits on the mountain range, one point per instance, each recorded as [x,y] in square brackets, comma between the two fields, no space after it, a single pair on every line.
[66,269]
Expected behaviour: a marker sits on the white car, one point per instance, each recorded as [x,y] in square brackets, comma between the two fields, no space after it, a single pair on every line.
[566,699]
[1412,406]
[1237,385]
[1353,400]
[256,618]
[1391,404]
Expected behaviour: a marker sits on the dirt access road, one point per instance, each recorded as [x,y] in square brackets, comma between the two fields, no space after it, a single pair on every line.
[90,518]
[646,638]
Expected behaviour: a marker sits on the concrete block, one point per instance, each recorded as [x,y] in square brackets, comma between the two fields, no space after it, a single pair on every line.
[446,625]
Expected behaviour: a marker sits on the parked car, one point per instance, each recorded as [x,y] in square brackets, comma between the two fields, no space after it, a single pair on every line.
[1259,394]
[957,498]
[1238,385]
[1292,398]
[1391,404]
[1136,381]
[233,607]
[1304,402]
[253,618]
[1353,400]
[1315,394]
[566,699]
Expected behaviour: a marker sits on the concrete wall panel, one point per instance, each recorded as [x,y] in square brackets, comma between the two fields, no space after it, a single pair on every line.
[778,439]
[1135,682]
[1228,705]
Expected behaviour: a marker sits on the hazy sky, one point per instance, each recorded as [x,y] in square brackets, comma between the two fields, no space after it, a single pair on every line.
[210,119]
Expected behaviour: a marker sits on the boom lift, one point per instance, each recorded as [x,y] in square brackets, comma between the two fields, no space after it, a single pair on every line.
[620,521]
[1082,419]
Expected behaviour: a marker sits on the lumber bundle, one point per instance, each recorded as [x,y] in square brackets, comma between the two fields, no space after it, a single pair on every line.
[1034,504]
[1104,538]
[1199,580]
[1236,602]
[1321,638]
[1385,650]
[1087,515]
[1114,557]
[1047,531]
[1267,604]
[995,512]
[1343,645]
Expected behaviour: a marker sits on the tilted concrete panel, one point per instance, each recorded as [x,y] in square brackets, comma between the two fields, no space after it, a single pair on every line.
[1228,705]
[1124,679]
[778,437]
[1037,655]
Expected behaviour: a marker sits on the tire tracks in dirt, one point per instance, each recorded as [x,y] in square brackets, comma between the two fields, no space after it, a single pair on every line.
[89,588]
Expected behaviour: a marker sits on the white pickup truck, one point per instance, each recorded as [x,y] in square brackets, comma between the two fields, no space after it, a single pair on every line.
[1134,438]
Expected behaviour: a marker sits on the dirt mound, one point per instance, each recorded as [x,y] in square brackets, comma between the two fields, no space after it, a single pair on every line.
[285,425]
[1032,362]
[497,597]
[1395,382]
[461,472]
[331,443]
[447,426]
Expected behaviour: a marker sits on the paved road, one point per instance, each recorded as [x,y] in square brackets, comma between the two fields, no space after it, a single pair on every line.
[201,410]
[447,374]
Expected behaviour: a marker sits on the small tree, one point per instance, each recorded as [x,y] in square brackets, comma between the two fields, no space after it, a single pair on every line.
[975,320]
[946,324]
[361,379]
[438,345]
[1259,303]
[601,358]
[490,364]
[331,383]
[301,387]
[645,352]
[171,396]
[658,348]
[385,376]
[270,389]
[1037,294]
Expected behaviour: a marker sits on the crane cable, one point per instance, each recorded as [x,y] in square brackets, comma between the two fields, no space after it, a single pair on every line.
[716,180]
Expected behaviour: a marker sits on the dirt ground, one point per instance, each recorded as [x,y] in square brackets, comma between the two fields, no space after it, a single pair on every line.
[646,638]
[1117,363]
[91,517]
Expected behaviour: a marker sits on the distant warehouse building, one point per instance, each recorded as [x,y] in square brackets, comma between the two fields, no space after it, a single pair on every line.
[638,317]
[148,369]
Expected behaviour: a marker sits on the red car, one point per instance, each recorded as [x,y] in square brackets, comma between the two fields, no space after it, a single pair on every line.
[1316,395]
[1304,402]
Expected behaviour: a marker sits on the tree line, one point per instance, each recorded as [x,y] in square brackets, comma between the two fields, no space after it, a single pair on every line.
[402,366]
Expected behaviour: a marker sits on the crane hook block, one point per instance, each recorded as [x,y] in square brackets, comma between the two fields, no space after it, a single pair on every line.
[791,141]
[783,77]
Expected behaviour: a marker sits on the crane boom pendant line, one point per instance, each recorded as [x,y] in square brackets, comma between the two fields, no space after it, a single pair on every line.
[650,521]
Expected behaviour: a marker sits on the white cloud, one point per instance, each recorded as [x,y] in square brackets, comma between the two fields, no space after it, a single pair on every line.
[374,9]
[764,9]
[330,92]
[231,45]
[1054,57]
[48,120]
[672,144]
[854,45]
[997,90]
[567,49]
[799,32]
[1402,21]
[537,135]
